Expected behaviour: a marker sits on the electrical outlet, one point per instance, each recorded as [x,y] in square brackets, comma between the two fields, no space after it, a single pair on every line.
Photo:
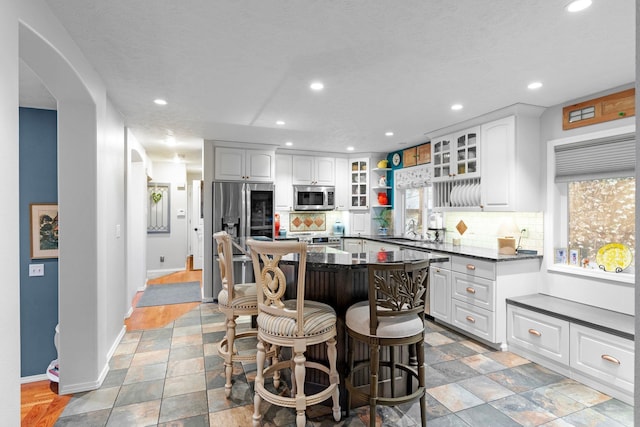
[161,259]
[36,270]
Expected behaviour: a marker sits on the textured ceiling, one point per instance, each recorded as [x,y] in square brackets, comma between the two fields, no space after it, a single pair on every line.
[230,68]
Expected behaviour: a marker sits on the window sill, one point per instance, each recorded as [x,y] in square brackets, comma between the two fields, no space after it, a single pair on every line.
[593,274]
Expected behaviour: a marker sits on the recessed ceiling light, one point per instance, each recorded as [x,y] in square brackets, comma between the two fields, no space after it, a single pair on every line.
[456,107]
[350,148]
[288,143]
[388,134]
[160,101]
[280,123]
[316,86]
[535,85]
[578,5]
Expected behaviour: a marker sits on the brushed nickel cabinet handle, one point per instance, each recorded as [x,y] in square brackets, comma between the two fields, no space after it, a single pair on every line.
[471,267]
[610,359]
[471,290]
[471,319]
[534,332]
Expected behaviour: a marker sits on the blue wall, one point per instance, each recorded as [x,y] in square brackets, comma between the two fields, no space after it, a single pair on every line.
[38,295]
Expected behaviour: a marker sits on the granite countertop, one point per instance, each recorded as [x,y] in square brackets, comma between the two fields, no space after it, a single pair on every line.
[447,248]
[327,256]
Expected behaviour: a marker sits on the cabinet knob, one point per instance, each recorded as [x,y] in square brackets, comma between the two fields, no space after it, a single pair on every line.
[534,332]
[610,359]
[471,319]
[471,290]
[471,267]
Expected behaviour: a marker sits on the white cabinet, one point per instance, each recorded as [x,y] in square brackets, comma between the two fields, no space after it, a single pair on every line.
[440,291]
[311,170]
[456,155]
[342,189]
[234,164]
[605,358]
[353,246]
[477,290]
[359,222]
[283,183]
[511,164]
[359,183]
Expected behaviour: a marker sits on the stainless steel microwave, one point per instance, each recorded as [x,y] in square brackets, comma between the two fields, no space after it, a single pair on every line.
[313,198]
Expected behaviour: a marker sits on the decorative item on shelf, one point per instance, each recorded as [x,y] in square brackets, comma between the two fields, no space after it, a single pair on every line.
[277,224]
[507,232]
[383,199]
[338,228]
[614,257]
[383,181]
[384,219]
[382,164]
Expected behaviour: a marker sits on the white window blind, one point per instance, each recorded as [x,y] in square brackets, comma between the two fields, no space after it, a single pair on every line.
[612,157]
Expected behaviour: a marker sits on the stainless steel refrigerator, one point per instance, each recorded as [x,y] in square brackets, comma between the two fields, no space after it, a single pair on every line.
[242,209]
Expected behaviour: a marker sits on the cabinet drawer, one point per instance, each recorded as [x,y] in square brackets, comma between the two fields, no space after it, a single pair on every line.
[545,335]
[474,290]
[602,356]
[474,267]
[475,320]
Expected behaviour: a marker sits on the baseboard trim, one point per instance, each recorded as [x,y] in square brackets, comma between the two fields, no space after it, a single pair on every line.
[33,378]
[152,274]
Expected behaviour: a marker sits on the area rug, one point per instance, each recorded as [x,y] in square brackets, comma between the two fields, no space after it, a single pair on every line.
[174,293]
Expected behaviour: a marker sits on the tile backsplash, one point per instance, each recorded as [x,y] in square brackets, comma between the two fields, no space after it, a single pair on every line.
[482,228]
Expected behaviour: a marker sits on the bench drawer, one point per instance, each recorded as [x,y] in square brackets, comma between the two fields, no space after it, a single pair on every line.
[538,333]
[603,356]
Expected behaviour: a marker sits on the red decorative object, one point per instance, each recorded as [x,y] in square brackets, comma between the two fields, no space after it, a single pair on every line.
[383,199]
[277,224]
[382,256]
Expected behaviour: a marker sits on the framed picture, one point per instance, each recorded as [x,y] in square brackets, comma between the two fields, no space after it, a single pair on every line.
[560,256]
[44,230]
[574,257]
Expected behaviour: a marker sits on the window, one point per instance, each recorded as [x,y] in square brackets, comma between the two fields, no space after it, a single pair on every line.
[591,184]
[601,211]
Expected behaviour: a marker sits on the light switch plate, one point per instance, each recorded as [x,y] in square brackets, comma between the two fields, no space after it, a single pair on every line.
[36,270]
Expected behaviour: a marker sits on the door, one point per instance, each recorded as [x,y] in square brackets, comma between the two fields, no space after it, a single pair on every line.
[197,224]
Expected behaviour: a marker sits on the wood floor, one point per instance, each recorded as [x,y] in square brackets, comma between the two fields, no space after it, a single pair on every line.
[40,403]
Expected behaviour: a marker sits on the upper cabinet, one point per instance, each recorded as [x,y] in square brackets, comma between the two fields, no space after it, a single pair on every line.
[284,189]
[310,170]
[456,155]
[342,190]
[359,183]
[511,164]
[235,164]
[418,155]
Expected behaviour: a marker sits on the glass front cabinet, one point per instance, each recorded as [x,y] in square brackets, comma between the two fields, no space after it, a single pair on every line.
[359,182]
[456,155]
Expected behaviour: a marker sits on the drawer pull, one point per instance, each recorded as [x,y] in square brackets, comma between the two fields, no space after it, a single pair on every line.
[610,359]
[471,267]
[472,320]
[471,290]
[534,332]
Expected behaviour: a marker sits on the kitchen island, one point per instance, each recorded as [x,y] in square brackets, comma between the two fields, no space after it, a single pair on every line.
[340,279]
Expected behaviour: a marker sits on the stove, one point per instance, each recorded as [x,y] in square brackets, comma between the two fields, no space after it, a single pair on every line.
[332,241]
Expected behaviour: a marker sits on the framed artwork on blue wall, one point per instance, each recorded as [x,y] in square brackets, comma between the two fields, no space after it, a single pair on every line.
[44,230]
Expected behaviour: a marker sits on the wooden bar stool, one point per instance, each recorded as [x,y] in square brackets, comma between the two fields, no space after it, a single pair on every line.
[296,324]
[235,299]
[392,317]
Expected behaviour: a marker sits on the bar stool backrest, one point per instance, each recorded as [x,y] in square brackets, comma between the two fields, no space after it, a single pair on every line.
[225,260]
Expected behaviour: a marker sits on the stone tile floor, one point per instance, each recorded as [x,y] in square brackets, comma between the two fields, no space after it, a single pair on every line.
[174,377]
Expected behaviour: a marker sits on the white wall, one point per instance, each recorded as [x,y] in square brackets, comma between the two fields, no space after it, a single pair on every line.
[90,163]
[173,245]
[136,230]
[598,292]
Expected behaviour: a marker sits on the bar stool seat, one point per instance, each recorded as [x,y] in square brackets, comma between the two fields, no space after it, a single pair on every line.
[357,319]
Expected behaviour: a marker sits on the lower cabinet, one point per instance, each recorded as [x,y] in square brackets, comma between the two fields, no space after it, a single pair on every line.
[471,294]
[598,359]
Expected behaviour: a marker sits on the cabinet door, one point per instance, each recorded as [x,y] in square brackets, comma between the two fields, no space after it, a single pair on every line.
[353,246]
[441,158]
[229,164]
[465,162]
[498,163]
[260,165]
[440,293]
[303,170]
[424,153]
[284,189]
[342,189]
[359,184]
[325,171]
[359,222]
